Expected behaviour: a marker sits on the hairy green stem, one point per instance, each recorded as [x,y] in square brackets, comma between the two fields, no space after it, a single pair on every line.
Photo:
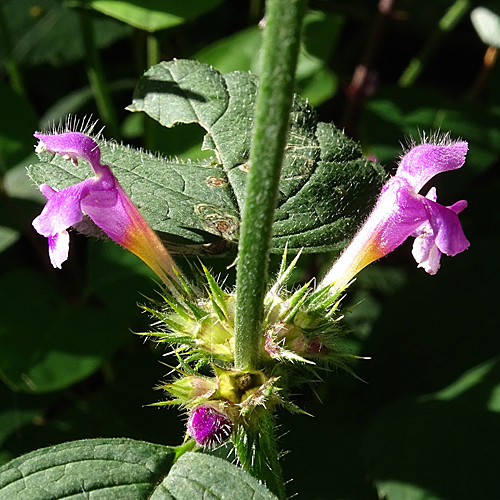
[274,100]
[258,454]
[446,24]
[97,79]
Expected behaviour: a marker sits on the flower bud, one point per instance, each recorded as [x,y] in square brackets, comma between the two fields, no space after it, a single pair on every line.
[191,389]
[209,426]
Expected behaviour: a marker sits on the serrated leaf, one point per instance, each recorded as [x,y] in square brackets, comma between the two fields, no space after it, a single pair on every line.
[326,184]
[124,469]
[109,469]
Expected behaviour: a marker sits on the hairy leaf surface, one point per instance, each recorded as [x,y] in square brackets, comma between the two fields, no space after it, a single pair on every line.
[326,185]
[124,469]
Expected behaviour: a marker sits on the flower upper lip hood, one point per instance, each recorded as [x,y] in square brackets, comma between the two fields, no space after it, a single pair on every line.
[401,212]
[72,145]
[421,163]
[103,200]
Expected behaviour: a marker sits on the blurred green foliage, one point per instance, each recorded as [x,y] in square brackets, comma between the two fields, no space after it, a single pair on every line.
[426,423]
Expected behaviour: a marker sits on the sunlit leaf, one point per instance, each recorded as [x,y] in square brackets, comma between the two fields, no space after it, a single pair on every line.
[123,469]
[154,15]
[326,186]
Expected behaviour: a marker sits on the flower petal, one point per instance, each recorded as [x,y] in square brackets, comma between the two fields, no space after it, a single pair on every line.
[104,203]
[47,191]
[209,426]
[426,253]
[58,248]
[448,232]
[458,206]
[73,145]
[400,212]
[62,209]
[396,215]
[111,209]
[423,162]
[105,207]
[431,194]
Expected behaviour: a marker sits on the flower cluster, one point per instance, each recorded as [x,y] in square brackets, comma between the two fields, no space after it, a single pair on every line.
[301,329]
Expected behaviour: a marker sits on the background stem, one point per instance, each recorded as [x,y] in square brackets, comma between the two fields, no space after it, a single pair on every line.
[11,66]
[274,101]
[97,79]
[446,24]
[150,126]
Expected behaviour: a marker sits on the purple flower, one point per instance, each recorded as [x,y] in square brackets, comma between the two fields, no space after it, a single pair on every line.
[209,426]
[103,200]
[401,212]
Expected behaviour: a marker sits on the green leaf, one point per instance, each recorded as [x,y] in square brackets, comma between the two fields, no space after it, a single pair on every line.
[326,184]
[324,181]
[124,469]
[60,344]
[47,31]
[200,476]
[96,468]
[154,15]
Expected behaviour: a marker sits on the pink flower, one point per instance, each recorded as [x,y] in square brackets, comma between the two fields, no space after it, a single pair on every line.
[401,212]
[103,200]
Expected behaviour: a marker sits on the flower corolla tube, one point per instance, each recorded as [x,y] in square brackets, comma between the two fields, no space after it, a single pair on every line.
[103,200]
[401,212]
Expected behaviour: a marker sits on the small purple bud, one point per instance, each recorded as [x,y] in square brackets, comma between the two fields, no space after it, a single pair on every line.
[209,426]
